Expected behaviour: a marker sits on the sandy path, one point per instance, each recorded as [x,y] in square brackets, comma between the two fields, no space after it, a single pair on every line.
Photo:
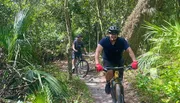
[96,83]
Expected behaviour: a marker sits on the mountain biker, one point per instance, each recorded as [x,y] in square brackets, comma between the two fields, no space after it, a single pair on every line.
[77,52]
[113,48]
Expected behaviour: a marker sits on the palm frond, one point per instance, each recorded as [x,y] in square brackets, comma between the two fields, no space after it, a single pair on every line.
[153,30]
[165,43]
[147,60]
[49,94]
[56,87]
[19,19]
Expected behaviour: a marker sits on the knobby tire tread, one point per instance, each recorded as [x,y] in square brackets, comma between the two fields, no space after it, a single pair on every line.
[119,96]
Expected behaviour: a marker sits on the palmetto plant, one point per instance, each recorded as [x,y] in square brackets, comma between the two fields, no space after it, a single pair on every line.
[164,42]
[162,59]
[42,96]
[45,84]
[20,59]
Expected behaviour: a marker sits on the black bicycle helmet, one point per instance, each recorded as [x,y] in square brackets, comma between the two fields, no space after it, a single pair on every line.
[113,30]
[79,35]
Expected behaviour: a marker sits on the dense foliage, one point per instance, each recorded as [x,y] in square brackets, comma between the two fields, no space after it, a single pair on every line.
[33,33]
[160,79]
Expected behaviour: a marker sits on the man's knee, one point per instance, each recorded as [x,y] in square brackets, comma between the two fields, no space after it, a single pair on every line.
[109,75]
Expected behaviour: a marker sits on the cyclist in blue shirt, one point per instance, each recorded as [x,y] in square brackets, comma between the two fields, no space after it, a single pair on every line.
[77,49]
[113,48]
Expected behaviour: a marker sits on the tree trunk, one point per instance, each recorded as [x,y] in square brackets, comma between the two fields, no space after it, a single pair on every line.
[178,9]
[89,27]
[99,7]
[96,33]
[131,30]
[68,27]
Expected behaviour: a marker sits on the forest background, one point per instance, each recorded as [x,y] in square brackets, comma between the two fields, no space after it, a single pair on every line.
[33,33]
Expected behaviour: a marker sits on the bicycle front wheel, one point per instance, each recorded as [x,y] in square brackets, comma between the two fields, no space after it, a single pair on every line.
[119,95]
[82,68]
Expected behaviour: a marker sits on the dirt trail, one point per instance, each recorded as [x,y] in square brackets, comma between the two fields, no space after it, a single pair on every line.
[96,83]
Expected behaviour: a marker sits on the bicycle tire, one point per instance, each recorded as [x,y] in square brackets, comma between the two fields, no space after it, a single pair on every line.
[119,95]
[113,93]
[82,68]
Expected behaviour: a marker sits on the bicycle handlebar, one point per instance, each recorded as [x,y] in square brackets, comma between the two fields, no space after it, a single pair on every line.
[117,68]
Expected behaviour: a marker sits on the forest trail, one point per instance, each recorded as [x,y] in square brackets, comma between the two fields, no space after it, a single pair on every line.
[96,84]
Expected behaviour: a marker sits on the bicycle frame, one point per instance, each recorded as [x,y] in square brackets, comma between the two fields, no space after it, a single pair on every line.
[78,59]
[117,90]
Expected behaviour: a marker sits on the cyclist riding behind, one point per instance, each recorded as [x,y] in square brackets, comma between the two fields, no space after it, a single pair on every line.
[113,48]
[77,52]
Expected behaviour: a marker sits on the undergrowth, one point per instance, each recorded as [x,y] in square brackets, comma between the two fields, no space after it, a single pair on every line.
[76,88]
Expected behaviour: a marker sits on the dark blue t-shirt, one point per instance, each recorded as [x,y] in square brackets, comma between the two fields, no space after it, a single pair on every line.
[114,52]
[78,45]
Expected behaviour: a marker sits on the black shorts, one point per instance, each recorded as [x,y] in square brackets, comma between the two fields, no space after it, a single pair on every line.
[76,55]
[119,63]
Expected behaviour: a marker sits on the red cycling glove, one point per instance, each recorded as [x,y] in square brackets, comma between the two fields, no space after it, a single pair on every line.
[134,64]
[99,67]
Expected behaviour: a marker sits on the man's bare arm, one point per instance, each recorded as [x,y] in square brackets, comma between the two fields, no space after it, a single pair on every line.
[85,50]
[131,54]
[73,47]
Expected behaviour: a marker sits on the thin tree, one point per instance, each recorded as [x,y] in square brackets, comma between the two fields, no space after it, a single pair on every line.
[69,32]
[99,8]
